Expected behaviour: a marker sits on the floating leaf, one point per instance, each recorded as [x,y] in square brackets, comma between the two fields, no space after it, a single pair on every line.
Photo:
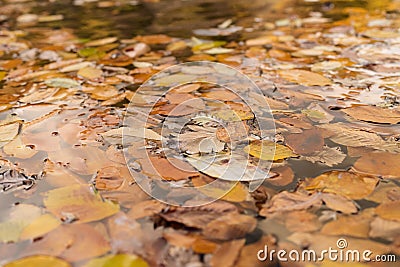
[40,226]
[329,156]
[9,129]
[305,143]
[389,210]
[118,260]
[373,114]
[304,77]
[79,202]
[39,260]
[125,132]
[347,184]
[267,150]
[383,164]
[18,149]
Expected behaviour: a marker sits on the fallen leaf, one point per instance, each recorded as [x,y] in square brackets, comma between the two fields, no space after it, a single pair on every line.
[329,156]
[339,203]
[39,260]
[304,77]
[78,202]
[267,150]
[227,253]
[117,260]
[100,42]
[90,73]
[39,227]
[373,114]
[62,83]
[386,229]
[230,226]
[383,164]
[345,225]
[347,184]
[308,142]
[389,210]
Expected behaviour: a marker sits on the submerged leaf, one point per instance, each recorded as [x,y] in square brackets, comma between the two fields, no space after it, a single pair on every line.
[118,260]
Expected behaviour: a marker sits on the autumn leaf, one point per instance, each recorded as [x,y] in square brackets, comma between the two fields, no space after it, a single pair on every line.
[373,114]
[78,202]
[347,184]
[39,260]
[267,150]
[118,260]
[304,77]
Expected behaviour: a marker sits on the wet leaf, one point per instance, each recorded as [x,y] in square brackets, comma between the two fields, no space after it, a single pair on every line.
[306,143]
[127,131]
[384,164]
[267,150]
[389,210]
[18,149]
[373,114]
[39,260]
[339,203]
[118,260]
[9,129]
[304,77]
[78,202]
[40,226]
[329,156]
[347,184]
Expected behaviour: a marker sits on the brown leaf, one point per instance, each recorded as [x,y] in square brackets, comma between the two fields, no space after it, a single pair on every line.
[339,203]
[306,143]
[383,164]
[168,169]
[389,210]
[373,114]
[226,254]
[356,225]
[301,221]
[286,201]
[230,226]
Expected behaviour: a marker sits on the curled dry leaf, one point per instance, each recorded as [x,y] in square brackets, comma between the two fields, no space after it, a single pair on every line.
[78,202]
[347,184]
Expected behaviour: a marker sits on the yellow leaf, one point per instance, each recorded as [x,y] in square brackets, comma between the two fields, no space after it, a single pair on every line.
[347,184]
[119,260]
[267,150]
[304,77]
[40,226]
[79,202]
[40,260]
